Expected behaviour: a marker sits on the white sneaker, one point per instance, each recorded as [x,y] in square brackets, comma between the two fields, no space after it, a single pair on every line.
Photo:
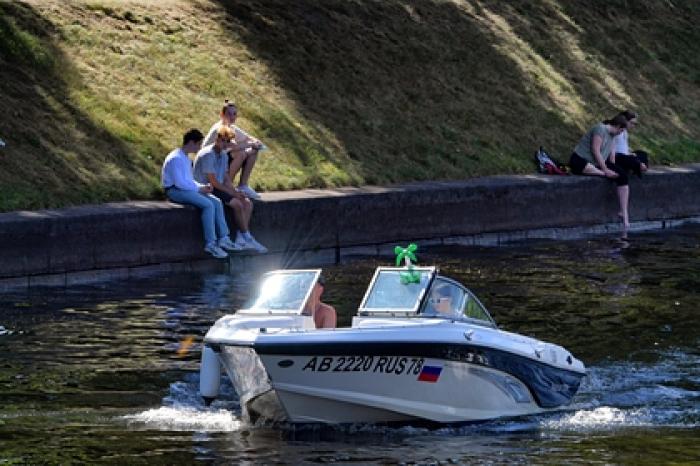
[252,244]
[240,242]
[215,250]
[248,191]
[228,245]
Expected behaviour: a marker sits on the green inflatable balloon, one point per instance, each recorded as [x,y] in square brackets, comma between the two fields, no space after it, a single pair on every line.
[406,255]
[409,277]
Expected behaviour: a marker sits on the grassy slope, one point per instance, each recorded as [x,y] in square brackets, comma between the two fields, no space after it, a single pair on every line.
[94,93]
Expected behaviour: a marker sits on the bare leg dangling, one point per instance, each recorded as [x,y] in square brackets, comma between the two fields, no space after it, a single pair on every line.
[623,195]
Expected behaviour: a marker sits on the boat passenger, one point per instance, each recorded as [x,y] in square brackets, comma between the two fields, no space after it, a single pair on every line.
[324,314]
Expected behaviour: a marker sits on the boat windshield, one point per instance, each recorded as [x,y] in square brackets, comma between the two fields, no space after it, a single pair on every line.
[284,291]
[447,298]
[396,290]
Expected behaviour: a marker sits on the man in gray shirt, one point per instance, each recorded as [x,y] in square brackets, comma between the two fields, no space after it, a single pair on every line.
[211,166]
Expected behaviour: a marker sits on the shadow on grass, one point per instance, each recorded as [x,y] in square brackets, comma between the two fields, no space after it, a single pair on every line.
[68,151]
[429,89]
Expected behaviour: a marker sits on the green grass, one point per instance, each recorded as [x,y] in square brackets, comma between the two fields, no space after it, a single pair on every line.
[95,93]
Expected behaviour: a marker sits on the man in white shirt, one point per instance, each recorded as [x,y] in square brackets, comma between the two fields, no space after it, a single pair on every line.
[181,188]
[244,153]
[211,166]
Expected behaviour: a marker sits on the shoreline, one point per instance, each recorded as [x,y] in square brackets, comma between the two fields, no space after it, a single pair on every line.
[303,228]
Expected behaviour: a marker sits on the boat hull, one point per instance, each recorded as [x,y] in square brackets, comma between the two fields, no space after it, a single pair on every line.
[392,382]
[394,388]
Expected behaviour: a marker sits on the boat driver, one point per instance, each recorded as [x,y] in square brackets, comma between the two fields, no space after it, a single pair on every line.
[440,301]
[324,314]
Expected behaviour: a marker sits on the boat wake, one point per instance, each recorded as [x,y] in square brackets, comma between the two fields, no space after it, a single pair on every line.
[619,395]
[662,393]
[604,417]
[183,410]
[186,419]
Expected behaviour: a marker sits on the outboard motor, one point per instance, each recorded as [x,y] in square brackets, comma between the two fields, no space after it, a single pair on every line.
[209,375]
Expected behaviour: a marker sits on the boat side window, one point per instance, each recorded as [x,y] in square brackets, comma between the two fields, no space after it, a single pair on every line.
[474,310]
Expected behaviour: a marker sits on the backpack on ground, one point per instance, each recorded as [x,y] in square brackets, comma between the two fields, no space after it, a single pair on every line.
[549,165]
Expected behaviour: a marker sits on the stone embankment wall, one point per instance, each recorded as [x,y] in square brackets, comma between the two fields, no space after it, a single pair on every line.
[119,240]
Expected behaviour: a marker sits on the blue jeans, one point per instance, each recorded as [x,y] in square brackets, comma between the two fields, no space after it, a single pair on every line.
[213,219]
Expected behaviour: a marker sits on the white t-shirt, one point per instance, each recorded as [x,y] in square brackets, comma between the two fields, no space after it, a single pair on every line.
[177,172]
[621,143]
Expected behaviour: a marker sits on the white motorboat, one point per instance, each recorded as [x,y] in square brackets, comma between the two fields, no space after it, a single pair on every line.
[421,347]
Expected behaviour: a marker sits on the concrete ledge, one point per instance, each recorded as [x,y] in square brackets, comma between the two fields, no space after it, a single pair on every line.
[302,227]
[102,275]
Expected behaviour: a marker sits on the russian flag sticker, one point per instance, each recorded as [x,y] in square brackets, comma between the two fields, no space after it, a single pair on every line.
[429,374]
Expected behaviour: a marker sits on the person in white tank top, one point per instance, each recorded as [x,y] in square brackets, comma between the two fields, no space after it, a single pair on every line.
[638,160]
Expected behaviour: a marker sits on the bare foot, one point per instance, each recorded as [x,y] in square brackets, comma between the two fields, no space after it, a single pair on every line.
[625,225]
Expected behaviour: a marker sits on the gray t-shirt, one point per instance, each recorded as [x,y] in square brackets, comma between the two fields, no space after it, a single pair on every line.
[584,148]
[208,160]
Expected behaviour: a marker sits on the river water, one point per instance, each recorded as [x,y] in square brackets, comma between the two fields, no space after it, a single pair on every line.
[109,373]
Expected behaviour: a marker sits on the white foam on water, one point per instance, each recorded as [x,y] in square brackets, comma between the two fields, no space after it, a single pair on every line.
[186,419]
[639,383]
[603,417]
[637,393]
[183,410]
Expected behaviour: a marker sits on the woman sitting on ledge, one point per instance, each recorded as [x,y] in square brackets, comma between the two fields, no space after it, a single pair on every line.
[594,155]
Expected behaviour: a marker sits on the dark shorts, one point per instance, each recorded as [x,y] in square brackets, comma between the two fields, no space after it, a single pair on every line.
[223,195]
[577,163]
[642,156]
[622,179]
[633,162]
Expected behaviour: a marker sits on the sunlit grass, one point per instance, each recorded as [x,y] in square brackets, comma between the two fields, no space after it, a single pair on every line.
[342,93]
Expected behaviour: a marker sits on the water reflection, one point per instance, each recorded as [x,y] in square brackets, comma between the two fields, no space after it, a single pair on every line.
[99,373]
